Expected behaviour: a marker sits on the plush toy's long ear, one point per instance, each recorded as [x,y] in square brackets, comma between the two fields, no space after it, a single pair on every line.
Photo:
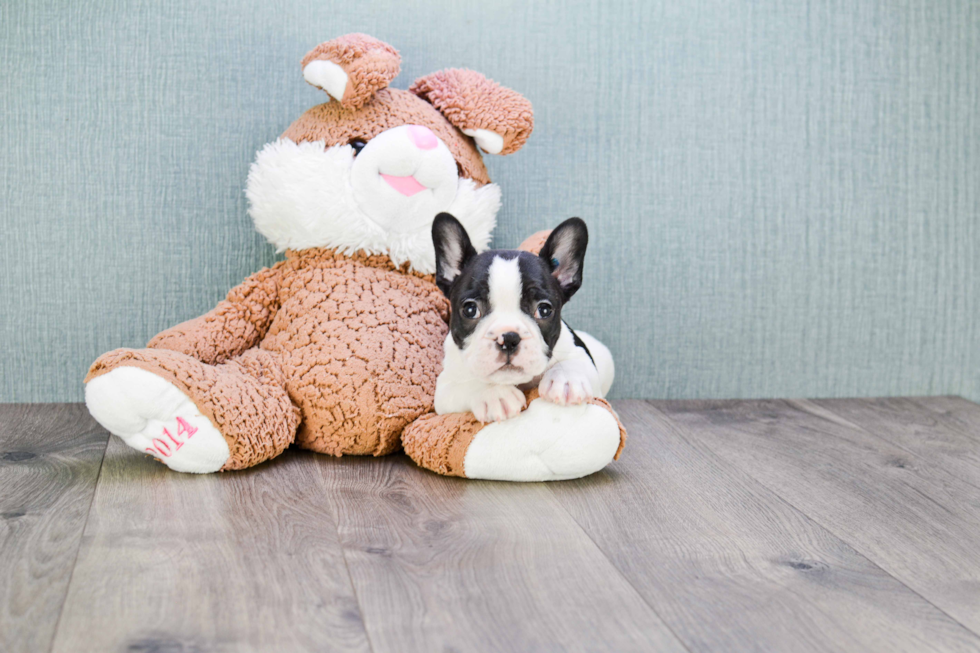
[498,119]
[351,68]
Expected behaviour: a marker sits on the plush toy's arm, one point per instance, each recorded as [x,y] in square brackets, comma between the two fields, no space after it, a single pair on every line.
[237,323]
[546,442]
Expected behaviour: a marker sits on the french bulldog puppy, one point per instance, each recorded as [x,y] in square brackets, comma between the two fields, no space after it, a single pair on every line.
[506,334]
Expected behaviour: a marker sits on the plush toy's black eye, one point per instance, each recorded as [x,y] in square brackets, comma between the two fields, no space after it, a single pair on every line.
[358,145]
[470,309]
[544,311]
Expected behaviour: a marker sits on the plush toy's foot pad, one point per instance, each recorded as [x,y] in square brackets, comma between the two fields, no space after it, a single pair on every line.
[242,401]
[153,416]
[546,442]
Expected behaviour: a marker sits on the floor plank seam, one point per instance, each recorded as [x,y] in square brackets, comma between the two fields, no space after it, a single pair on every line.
[350,576]
[357,598]
[883,570]
[805,406]
[620,572]
[686,434]
[78,549]
[801,509]
[804,403]
[897,445]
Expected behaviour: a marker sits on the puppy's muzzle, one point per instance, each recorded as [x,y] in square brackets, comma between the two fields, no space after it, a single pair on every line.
[508,343]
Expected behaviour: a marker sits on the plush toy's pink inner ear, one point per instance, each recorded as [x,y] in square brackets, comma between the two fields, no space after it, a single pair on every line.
[352,68]
[497,118]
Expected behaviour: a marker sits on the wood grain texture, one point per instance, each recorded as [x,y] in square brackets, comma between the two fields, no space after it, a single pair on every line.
[446,564]
[910,516]
[49,462]
[734,526]
[238,562]
[732,567]
[943,430]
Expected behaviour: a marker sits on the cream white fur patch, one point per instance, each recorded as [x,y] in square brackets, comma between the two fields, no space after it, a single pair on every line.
[300,196]
[328,76]
[490,142]
[546,442]
[394,152]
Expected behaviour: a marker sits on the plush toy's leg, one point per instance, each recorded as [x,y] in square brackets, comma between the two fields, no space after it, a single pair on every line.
[191,416]
[546,442]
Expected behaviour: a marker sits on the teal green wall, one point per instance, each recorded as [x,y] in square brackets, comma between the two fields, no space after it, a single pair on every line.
[784,196]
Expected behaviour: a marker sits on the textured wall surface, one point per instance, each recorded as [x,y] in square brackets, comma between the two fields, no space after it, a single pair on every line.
[784,196]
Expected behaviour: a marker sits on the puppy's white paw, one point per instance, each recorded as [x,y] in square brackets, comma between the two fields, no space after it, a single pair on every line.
[560,387]
[497,403]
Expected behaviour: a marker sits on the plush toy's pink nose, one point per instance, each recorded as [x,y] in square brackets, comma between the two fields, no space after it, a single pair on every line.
[423,137]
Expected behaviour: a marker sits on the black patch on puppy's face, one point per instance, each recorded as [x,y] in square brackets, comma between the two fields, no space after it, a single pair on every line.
[541,295]
[546,281]
[540,290]
[469,291]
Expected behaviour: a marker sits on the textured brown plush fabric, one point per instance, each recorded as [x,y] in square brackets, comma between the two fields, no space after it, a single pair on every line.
[471,101]
[535,242]
[245,398]
[236,324]
[352,344]
[370,65]
[360,342]
[337,353]
[439,442]
[387,108]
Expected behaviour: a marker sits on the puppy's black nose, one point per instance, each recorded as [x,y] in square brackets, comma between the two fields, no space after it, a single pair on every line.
[509,342]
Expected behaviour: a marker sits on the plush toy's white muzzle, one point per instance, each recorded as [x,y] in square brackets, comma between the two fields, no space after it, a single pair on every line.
[403,177]
[382,201]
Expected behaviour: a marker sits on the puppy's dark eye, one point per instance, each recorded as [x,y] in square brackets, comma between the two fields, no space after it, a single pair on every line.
[358,145]
[470,310]
[544,311]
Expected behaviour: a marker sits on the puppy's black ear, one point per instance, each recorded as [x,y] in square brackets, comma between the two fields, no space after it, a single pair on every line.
[453,250]
[564,252]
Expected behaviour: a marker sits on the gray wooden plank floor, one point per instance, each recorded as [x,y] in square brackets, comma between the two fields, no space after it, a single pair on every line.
[832,525]
[905,513]
[49,462]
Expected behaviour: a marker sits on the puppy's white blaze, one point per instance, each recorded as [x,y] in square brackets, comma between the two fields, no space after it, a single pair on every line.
[505,286]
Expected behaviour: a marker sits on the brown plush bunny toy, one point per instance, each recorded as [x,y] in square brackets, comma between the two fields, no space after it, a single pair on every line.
[337,347]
